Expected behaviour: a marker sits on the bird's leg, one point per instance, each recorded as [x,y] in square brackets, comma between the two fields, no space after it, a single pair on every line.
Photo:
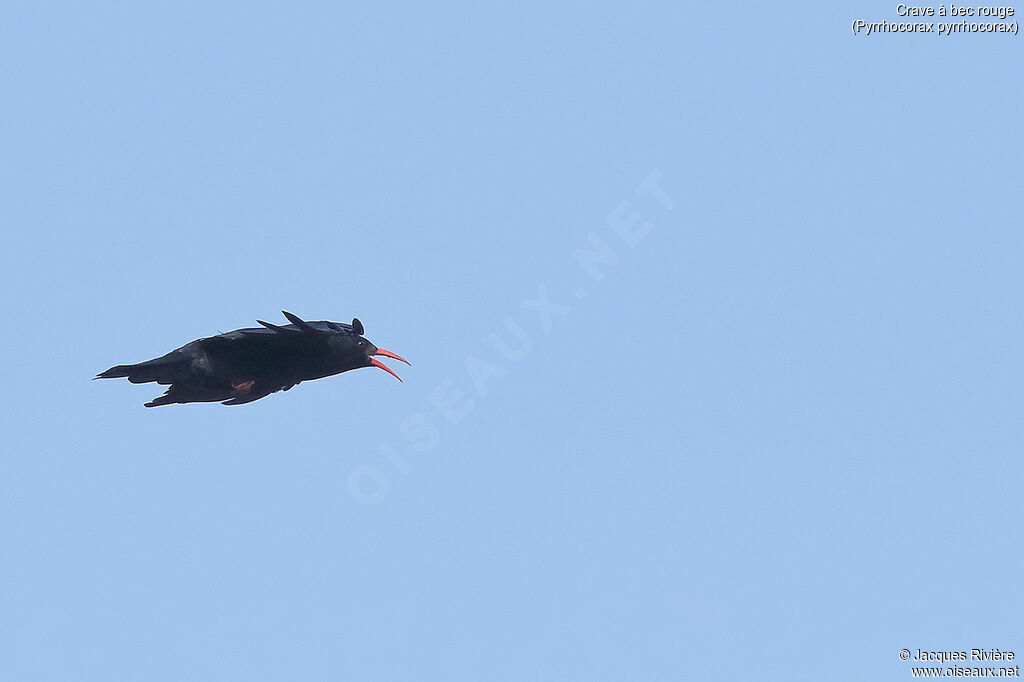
[242,386]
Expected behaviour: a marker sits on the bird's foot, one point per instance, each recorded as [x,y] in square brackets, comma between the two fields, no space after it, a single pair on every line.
[242,386]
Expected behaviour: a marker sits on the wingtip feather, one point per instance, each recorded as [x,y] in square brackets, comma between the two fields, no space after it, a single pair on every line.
[298,321]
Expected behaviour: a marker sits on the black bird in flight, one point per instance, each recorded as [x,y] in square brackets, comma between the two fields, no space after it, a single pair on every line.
[248,364]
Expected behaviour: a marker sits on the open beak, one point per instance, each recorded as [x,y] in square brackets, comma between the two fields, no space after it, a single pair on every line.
[388,354]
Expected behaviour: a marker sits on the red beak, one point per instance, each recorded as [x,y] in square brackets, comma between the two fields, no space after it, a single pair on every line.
[388,354]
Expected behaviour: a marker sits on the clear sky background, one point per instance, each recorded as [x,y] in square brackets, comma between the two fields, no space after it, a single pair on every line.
[778,439]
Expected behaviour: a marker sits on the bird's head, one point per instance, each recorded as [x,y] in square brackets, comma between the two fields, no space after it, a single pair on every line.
[357,350]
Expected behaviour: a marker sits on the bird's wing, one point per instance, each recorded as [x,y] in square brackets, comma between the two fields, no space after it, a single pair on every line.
[274,355]
[300,326]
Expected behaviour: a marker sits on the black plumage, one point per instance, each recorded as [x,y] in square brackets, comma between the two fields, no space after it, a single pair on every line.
[244,365]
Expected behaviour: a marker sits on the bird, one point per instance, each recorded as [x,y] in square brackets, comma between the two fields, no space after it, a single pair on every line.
[244,365]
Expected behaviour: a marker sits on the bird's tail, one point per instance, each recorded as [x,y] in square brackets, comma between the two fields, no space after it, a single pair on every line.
[168,369]
[116,372]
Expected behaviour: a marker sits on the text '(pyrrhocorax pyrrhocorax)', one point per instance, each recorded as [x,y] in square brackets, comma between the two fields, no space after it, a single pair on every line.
[248,364]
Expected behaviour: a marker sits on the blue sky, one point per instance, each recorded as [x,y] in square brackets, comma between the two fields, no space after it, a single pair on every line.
[777,438]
